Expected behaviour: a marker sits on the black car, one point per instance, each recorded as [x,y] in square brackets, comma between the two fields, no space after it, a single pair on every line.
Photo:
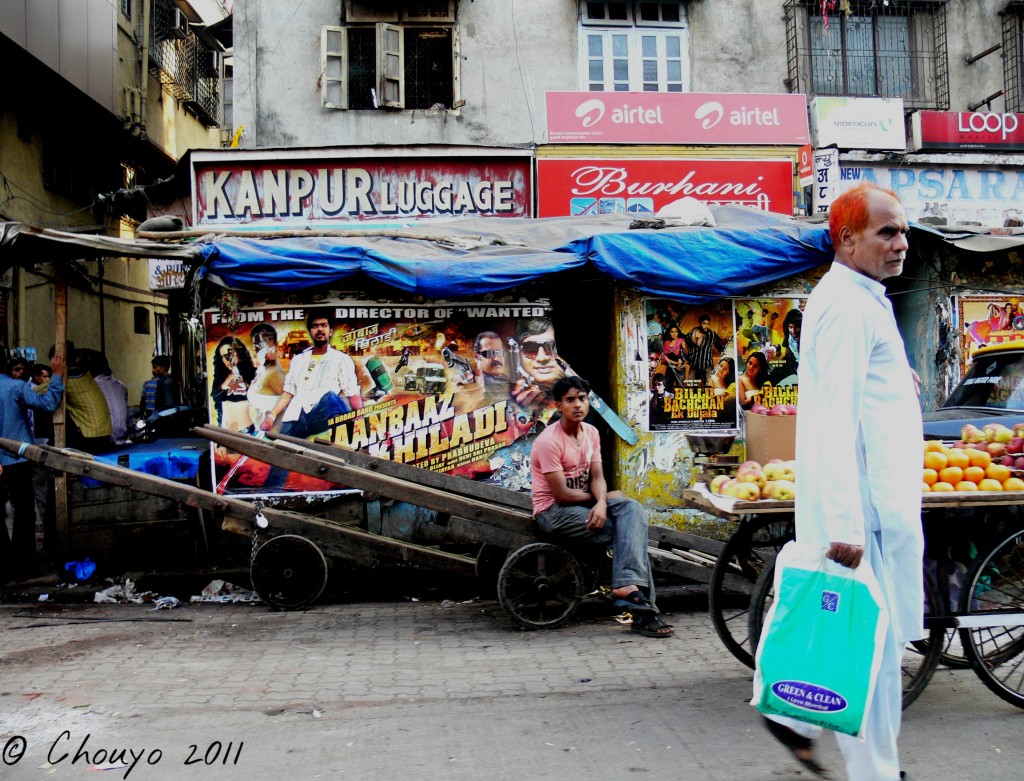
[992,391]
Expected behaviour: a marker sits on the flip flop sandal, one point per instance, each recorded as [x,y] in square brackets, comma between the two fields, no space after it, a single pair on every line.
[636,603]
[796,742]
[652,627]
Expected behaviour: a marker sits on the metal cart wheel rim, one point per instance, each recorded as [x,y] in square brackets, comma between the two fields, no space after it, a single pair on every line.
[289,571]
[540,586]
[996,583]
[732,624]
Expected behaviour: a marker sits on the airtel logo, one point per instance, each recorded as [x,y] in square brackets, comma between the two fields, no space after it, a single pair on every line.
[590,111]
[709,114]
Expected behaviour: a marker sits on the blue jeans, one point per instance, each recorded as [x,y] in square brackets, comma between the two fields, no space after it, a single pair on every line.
[308,424]
[625,529]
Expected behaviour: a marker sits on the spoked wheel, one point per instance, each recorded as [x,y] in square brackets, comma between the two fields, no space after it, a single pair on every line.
[488,567]
[918,663]
[288,571]
[540,586]
[921,658]
[994,595]
[735,574]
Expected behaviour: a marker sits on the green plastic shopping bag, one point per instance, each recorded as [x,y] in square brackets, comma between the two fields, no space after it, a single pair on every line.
[821,646]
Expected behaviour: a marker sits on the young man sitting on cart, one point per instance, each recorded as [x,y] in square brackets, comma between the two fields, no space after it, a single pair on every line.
[571,500]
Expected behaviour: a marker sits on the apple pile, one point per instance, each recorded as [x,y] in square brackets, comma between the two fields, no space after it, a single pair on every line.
[982,460]
[775,480]
[778,409]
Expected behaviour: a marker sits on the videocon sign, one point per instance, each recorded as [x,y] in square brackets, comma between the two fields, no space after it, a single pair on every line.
[858,123]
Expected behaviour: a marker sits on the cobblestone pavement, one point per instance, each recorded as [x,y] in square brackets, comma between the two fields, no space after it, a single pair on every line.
[418,690]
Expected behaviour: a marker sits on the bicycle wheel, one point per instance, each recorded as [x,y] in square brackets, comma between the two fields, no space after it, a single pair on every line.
[918,663]
[735,573]
[992,627]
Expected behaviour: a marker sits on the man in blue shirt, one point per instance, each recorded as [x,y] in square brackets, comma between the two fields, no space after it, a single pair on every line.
[18,553]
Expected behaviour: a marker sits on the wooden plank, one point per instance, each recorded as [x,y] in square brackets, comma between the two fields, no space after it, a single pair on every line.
[661,535]
[60,336]
[301,459]
[355,545]
[664,562]
[444,482]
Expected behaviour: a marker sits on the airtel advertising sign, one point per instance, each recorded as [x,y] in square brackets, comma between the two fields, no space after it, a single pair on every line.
[968,130]
[643,186]
[676,118]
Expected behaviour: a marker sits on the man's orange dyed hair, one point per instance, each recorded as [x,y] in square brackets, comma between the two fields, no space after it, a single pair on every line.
[851,209]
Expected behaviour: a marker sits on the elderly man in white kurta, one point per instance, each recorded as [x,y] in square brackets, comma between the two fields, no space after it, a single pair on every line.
[859,452]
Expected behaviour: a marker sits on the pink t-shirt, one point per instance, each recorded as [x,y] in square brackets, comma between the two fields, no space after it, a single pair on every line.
[555,451]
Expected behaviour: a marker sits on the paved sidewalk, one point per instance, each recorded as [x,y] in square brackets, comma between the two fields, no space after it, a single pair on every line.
[418,690]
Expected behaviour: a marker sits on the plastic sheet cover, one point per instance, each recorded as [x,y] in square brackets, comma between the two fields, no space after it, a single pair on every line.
[468,257]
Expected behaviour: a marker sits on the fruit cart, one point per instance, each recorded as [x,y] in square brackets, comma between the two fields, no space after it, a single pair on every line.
[974,582]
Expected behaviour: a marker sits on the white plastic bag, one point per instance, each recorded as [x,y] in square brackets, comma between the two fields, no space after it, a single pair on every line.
[821,647]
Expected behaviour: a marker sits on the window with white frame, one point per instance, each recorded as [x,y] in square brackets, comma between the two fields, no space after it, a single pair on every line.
[403,57]
[634,46]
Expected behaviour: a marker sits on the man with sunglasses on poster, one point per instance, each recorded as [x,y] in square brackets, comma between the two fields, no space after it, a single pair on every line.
[538,367]
[491,363]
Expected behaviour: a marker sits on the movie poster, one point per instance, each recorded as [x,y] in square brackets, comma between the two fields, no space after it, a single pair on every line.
[768,348]
[988,320]
[450,388]
[692,366]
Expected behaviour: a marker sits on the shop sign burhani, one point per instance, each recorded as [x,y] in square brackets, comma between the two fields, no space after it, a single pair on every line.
[644,185]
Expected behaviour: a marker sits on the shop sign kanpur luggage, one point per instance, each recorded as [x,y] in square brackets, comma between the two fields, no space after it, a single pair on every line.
[821,646]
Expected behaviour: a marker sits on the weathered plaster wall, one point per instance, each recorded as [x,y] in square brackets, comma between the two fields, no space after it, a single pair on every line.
[511,54]
[973,26]
[737,46]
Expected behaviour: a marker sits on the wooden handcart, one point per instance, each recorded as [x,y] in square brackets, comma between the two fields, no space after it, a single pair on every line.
[539,582]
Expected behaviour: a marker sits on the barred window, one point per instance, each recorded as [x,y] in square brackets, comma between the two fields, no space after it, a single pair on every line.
[893,50]
[1013,56]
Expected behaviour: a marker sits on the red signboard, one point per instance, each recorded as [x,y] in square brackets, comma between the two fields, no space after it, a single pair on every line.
[646,185]
[345,189]
[968,130]
[676,118]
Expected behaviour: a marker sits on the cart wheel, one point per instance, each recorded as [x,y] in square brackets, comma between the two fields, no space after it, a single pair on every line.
[921,658]
[540,586]
[736,570]
[918,663]
[995,585]
[288,571]
[488,567]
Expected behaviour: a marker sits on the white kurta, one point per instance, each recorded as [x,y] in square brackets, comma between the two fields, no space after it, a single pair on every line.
[858,452]
[335,371]
[859,436]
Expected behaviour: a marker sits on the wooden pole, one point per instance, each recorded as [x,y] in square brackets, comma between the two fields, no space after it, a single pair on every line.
[60,336]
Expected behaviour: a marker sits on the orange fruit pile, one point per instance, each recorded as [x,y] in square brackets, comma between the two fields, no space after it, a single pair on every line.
[964,469]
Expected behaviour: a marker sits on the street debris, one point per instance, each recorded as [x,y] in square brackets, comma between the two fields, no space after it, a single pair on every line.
[83,569]
[222,592]
[122,593]
[165,603]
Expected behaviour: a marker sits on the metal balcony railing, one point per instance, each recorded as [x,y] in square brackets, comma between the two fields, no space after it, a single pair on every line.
[893,50]
[187,69]
[1013,55]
